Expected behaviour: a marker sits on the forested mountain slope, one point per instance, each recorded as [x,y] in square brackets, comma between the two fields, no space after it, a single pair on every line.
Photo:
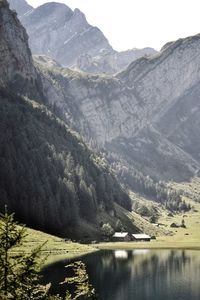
[48,176]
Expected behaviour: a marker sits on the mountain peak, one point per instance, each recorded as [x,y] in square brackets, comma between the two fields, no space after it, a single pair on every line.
[21,6]
[49,7]
[56,30]
[78,11]
[54,14]
[80,15]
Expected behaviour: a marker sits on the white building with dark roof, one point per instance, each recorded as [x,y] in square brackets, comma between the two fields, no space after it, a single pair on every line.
[141,237]
[121,236]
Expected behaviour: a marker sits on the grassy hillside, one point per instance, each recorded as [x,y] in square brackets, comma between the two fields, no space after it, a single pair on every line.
[180,238]
[54,248]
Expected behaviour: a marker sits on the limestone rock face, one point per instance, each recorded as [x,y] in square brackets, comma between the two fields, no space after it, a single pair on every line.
[17,67]
[159,80]
[57,31]
[148,114]
[21,6]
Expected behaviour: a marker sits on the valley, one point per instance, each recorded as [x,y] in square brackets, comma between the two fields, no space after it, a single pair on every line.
[99,151]
[57,249]
[101,138]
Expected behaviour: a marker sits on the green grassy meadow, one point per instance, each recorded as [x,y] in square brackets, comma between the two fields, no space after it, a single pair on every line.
[54,248]
[180,238]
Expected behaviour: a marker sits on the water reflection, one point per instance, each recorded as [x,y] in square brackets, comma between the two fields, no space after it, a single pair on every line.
[140,251]
[139,274]
[121,254]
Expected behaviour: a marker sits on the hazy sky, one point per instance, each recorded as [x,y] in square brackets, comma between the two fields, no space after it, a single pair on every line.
[139,23]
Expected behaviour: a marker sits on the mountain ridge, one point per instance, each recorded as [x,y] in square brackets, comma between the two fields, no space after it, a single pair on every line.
[129,106]
[140,119]
[22,6]
[79,45]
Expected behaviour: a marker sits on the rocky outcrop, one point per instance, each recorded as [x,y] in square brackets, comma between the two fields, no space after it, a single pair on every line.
[160,79]
[17,67]
[111,62]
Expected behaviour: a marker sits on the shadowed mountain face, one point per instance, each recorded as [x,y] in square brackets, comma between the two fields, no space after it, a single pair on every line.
[16,60]
[146,118]
[48,176]
[64,35]
[148,115]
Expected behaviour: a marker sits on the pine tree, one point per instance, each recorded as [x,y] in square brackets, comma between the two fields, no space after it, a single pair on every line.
[80,280]
[9,237]
[19,272]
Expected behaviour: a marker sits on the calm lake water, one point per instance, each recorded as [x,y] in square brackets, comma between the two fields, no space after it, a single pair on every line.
[137,274]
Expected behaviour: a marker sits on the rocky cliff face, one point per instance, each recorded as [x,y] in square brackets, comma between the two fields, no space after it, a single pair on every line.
[129,114]
[64,35]
[15,56]
[57,31]
[160,79]
[21,6]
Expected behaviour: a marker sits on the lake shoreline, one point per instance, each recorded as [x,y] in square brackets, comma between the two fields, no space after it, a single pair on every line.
[148,245]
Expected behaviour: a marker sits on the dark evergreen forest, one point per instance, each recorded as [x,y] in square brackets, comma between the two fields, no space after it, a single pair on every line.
[48,177]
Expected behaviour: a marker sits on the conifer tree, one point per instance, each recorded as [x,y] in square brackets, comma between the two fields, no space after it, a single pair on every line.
[19,275]
[81,282]
[19,272]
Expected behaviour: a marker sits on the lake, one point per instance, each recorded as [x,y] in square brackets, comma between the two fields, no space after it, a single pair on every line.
[137,274]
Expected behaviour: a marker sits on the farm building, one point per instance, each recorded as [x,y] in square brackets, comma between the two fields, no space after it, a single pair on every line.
[121,237]
[141,237]
[175,225]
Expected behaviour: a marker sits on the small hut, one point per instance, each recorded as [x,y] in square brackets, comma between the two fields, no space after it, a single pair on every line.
[141,237]
[121,237]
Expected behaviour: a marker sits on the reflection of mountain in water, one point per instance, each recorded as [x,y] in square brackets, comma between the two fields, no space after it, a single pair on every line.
[139,274]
